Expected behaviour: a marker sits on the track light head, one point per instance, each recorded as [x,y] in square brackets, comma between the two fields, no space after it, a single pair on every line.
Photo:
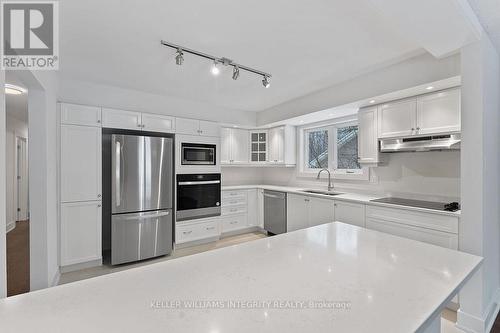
[215,70]
[266,81]
[236,72]
[179,59]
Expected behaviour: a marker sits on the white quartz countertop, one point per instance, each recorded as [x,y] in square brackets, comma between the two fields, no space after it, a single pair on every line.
[378,282]
[345,196]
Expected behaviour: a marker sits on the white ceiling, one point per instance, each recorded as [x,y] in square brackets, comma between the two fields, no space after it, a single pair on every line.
[488,13]
[305,45]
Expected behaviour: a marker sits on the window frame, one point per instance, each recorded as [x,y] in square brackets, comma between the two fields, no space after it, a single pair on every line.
[331,127]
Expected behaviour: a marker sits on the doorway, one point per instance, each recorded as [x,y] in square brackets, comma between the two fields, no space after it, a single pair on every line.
[18,224]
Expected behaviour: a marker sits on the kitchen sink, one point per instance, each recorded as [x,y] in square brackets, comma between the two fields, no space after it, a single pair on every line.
[321,192]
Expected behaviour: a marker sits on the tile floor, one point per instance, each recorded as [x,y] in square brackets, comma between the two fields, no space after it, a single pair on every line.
[448,317]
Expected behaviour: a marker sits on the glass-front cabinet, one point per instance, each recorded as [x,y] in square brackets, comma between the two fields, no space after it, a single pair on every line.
[258,146]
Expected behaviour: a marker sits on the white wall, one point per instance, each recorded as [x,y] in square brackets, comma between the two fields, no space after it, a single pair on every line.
[407,74]
[80,92]
[15,128]
[479,226]
[3,262]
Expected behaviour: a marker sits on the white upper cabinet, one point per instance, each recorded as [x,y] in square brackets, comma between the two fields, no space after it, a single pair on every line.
[282,145]
[113,118]
[350,212]
[80,163]
[276,145]
[234,146]
[439,112]
[187,126]
[72,114]
[197,127]
[157,123]
[239,146]
[209,128]
[81,225]
[397,118]
[258,146]
[367,136]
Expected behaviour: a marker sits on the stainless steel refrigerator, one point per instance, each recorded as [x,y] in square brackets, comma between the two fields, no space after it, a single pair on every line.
[141,197]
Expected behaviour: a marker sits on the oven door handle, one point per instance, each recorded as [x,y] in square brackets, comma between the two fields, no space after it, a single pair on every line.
[203,182]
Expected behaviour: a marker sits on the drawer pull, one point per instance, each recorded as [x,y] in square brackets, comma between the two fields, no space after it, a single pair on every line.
[210,228]
[233,210]
[187,232]
[233,222]
[233,202]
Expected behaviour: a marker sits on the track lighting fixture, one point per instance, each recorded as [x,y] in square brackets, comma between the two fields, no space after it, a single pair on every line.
[215,70]
[266,81]
[236,72]
[179,59]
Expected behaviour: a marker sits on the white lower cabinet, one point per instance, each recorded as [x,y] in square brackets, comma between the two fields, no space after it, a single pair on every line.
[305,211]
[80,232]
[233,222]
[253,208]
[350,212]
[441,230]
[196,230]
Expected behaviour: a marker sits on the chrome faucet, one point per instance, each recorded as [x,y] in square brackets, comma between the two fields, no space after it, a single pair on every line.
[330,185]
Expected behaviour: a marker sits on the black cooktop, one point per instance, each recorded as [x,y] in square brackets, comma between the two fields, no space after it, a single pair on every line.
[450,207]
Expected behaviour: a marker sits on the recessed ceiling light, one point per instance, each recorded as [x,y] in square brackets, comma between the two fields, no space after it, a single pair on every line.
[372,101]
[429,88]
[13,90]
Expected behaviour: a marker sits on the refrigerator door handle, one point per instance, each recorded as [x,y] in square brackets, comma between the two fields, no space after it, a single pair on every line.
[117,173]
[136,217]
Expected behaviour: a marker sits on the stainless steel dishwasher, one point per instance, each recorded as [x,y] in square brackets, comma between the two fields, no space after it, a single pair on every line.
[274,212]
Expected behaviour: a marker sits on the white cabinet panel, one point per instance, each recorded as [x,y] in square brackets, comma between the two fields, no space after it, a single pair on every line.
[233,223]
[188,232]
[349,212]
[80,163]
[321,211]
[439,112]
[260,205]
[435,237]
[80,232]
[209,128]
[297,212]
[239,146]
[158,123]
[113,118]
[397,118]
[368,136]
[276,145]
[225,145]
[187,126]
[253,208]
[72,114]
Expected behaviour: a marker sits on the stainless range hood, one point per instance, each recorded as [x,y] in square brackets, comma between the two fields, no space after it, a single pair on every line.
[423,143]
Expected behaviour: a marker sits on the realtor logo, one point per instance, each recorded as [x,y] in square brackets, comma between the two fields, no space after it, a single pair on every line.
[30,35]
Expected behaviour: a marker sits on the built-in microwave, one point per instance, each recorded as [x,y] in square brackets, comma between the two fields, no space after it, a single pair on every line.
[198,154]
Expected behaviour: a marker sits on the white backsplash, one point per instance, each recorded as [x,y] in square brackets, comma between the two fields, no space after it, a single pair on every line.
[424,175]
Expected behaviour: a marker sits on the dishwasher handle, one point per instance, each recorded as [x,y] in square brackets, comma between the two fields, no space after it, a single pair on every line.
[275,196]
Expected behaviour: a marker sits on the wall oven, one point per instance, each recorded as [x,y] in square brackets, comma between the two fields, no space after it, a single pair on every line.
[198,154]
[198,196]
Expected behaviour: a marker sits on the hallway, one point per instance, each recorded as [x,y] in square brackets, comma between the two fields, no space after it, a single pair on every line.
[18,259]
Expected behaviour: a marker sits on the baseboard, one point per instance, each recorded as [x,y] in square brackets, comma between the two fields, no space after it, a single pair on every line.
[195,242]
[79,266]
[55,279]
[473,324]
[10,226]
[241,231]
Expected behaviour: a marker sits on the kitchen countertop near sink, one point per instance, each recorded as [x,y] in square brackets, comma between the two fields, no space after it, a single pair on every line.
[345,196]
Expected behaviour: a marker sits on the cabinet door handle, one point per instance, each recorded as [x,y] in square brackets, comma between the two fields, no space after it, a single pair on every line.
[98,121]
[412,128]
[418,128]
[98,206]
[98,195]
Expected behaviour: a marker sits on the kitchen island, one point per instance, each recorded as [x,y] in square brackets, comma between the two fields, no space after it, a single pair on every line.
[329,278]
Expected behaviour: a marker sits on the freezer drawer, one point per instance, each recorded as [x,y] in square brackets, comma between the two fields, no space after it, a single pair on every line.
[140,236]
